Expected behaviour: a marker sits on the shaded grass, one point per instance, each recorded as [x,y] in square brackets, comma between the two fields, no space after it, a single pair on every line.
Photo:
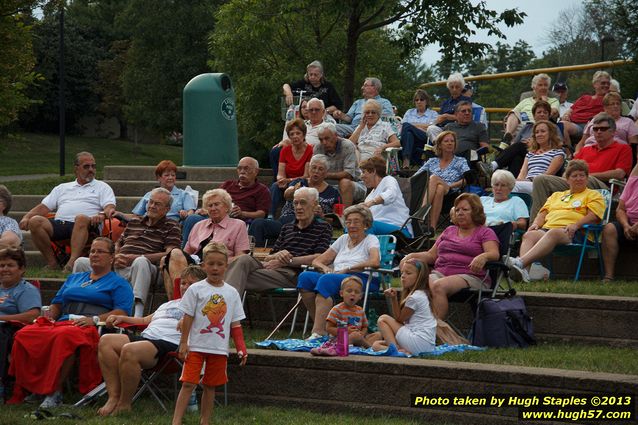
[591,358]
[31,153]
[37,187]
[148,413]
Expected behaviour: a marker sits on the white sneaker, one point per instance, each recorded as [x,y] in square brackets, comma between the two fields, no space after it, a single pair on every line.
[52,400]
[518,273]
[192,403]
[314,336]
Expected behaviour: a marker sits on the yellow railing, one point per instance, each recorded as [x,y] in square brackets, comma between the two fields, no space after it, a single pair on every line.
[512,74]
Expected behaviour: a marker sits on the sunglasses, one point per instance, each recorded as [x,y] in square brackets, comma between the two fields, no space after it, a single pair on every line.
[600,128]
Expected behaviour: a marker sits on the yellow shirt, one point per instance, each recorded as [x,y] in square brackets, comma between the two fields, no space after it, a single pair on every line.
[565,208]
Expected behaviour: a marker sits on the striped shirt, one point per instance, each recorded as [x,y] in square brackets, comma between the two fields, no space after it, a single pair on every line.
[538,163]
[352,316]
[140,238]
[313,239]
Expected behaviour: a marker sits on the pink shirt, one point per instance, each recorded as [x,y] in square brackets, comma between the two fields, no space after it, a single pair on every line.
[456,253]
[630,196]
[625,129]
[231,231]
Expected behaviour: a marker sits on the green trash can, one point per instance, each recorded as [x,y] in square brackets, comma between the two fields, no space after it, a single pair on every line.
[210,122]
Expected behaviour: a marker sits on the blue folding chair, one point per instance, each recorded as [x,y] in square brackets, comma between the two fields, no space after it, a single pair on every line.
[595,230]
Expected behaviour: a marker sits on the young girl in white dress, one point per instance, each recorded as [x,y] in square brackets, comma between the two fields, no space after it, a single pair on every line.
[412,326]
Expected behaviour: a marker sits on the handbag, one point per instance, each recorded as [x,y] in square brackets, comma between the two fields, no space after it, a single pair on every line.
[503,323]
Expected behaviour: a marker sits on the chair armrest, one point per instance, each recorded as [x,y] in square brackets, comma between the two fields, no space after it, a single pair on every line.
[496,265]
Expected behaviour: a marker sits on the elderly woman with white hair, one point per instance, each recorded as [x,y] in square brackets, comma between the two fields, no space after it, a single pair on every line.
[372,136]
[314,85]
[455,84]
[502,207]
[219,227]
[522,112]
[349,255]
[263,229]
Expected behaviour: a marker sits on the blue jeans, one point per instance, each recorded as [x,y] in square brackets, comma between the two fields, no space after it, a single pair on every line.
[276,198]
[264,229]
[273,156]
[412,141]
[328,285]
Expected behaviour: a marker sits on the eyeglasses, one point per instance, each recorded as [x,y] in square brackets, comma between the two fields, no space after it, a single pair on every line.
[241,168]
[314,110]
[465,111]
[99,251]
[89,166]
[154,202]
[600,128]
[419,100]
[370,112]
[300,202]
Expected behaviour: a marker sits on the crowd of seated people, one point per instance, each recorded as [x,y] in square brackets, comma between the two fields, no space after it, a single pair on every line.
[317,168]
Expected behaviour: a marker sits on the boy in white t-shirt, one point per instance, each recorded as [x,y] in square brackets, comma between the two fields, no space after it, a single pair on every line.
[212,311]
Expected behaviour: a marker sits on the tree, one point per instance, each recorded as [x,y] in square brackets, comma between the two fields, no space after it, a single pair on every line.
[16,59]
[167,49]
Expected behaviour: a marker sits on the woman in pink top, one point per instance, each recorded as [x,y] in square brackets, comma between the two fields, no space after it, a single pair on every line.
[219,227]
[293,162]
[625,229]
[460,253]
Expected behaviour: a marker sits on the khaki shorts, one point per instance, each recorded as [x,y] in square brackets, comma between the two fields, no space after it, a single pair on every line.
[472,281]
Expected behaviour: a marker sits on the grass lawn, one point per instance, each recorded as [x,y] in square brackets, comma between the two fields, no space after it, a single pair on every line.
[148,413]
[30,153]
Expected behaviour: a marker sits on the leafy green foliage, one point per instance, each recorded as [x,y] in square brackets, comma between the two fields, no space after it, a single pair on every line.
[168,48]
[16,59]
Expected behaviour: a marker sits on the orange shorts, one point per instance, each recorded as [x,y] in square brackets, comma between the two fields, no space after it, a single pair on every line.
[215,373]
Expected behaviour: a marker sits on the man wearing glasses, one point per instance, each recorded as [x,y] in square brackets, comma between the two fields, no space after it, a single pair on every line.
[470,135]
[144,242]
[298,244]
[370,90]
[607,159]
[79,206]
[251,198]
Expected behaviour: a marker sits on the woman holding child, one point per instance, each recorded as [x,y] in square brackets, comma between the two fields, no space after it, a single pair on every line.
[460,253]
[349,255]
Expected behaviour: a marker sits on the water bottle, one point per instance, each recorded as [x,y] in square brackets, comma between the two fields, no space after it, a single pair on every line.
[342,347]
[290,113]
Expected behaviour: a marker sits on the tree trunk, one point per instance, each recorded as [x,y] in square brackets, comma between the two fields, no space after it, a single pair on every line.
[123,128]
[351,60]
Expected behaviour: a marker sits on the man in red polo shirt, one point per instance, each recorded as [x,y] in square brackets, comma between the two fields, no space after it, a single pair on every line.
[607,159]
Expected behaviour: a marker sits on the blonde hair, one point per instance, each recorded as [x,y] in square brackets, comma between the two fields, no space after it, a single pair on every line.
[349,279]
[193,271]
[215,247]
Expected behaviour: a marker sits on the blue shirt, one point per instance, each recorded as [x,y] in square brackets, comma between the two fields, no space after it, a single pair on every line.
[19,298]
[181,201]
[411,116]
[450,174]
[356,110]
[503,212]
[111,291]
[448,106]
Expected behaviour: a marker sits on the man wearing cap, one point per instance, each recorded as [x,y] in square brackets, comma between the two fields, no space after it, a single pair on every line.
[560,88]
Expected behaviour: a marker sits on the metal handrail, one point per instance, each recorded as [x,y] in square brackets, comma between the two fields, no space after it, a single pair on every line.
[511,74]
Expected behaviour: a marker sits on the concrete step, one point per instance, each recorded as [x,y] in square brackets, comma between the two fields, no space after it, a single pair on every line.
[23,203]
[35,259]
[137,188]
[126,172]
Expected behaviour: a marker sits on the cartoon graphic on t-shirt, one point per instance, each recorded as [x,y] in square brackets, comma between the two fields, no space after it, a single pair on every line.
[215,310]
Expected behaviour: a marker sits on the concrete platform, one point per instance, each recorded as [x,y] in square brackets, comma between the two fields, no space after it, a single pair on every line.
[383,386]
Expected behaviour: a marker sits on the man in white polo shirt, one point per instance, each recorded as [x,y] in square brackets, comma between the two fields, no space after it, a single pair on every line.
[78,205]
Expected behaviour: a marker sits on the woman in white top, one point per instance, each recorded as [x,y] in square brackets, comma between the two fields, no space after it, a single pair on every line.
[373,135]
[349,255]
[385,199]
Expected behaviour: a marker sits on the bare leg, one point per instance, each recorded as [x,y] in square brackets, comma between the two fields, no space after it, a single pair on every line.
[322,308]
[134,357]
[346,189]
[610,249]
[308,298]
[208,403]
[41,233]
[441,290]
[78,238]
[108,355]
[511,123]
[168,283]
[389,326]
[545,246]
[182,402]
[176,264]
[379,345]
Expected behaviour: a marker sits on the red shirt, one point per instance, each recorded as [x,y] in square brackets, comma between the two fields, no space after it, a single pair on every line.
[250,198]
[616,155]
[294,167]
[585,108]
